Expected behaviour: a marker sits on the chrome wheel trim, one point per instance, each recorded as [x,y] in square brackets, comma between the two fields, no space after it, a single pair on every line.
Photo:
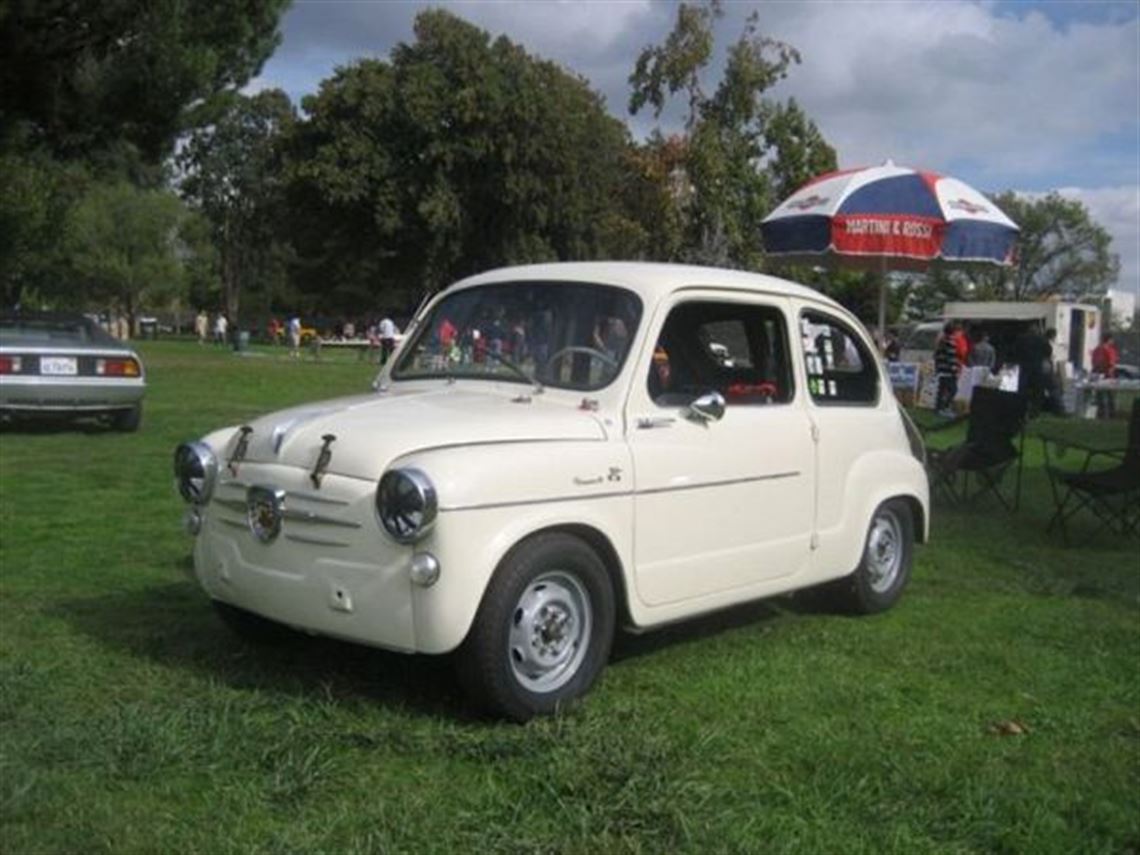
[883,556]
[550,631]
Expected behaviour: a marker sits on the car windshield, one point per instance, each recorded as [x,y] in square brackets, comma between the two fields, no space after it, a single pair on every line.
[567,335]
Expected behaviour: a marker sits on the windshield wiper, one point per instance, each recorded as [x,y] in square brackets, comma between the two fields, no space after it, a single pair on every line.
[502,360]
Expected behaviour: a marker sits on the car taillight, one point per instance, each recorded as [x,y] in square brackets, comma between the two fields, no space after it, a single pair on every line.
[116,368]
[10,364]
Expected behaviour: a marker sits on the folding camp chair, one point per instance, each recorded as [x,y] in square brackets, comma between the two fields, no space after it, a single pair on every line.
[1111,495]
[996,419]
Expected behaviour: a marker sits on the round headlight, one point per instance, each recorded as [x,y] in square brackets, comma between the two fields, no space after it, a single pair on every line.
[195,471]
[406,503]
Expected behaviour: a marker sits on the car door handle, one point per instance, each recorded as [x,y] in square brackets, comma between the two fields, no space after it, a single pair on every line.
[649,422]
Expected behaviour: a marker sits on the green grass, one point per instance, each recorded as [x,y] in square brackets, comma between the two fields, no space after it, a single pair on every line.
[130,721]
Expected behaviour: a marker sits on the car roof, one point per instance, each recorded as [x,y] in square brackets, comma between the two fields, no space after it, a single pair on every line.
[650,280]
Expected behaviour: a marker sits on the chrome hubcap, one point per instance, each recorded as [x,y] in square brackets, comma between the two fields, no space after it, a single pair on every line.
[550,631]
[884,551]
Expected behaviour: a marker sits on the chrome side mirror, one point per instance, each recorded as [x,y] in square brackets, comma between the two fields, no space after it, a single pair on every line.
[709,407]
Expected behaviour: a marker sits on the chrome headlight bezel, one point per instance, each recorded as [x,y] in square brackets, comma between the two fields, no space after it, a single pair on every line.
[406,504]
[195,472]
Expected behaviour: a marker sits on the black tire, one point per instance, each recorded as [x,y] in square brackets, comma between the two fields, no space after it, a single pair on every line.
[884,565]
[554,592]
[253,628]
[127,421]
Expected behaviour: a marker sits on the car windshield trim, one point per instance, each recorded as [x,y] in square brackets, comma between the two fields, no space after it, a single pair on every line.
[572,335]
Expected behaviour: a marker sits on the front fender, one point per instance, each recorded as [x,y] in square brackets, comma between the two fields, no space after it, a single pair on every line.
[482,515]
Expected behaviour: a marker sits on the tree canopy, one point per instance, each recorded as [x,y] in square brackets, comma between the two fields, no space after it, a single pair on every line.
[233,174]
[740,148]
[88,80]
[1061,251]
[122,245]
[460,154]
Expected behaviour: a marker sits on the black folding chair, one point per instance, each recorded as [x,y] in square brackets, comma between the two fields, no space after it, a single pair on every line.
[996,420]
[1111,495]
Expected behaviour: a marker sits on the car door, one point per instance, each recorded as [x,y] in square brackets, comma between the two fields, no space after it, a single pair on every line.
[728,503]
[845,397]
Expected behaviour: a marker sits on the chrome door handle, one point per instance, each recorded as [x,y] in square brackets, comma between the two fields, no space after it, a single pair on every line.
[648,422]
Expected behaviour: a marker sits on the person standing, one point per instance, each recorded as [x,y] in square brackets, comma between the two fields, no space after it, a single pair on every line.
[946,368]
[1035,368]
[891,347]
[221,327]
[202,326]
[388,332]
[295,336]
[1105,357]
[983,354]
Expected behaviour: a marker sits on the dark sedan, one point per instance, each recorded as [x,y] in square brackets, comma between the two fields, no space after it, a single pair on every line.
[60,364]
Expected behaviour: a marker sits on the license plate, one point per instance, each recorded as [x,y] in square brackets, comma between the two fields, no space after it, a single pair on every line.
[58,365]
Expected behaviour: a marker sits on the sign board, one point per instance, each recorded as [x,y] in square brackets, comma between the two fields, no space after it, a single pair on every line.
[904,375]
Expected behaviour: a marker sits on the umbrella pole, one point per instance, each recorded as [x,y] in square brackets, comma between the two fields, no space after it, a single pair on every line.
[882,303]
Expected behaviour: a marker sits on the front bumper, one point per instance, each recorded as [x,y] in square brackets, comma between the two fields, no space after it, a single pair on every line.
[330,570]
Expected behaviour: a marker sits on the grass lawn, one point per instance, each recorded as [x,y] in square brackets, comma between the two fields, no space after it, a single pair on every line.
[997,709]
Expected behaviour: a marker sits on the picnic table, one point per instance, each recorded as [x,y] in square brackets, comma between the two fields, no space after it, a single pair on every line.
[362,346]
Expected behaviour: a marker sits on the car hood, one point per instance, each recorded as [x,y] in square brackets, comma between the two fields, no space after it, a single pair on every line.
[373,430]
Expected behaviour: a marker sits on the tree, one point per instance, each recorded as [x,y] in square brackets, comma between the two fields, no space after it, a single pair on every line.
[116,78]
[797,150]
[727,189]
[233,175]
[1061,251]
[460,154]
[122,245]
[38,193]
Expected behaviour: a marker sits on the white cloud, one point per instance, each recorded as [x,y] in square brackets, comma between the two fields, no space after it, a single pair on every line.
[951,86]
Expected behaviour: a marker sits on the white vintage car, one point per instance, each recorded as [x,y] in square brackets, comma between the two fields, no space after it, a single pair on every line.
[557,449]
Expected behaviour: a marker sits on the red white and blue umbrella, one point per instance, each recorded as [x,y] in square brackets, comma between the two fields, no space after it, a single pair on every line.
[889,218]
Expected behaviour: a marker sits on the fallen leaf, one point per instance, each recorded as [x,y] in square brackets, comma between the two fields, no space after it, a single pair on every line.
[1011,727]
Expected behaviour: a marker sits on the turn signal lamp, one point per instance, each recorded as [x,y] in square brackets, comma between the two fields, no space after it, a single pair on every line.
[116,368]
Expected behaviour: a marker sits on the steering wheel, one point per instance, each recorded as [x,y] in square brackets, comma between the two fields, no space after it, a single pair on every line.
[592,351]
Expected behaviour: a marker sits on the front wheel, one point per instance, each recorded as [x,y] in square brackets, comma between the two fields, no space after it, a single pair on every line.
[543,631]
[885,565]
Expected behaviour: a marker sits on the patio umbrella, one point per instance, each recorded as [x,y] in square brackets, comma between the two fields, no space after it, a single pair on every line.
[889,218]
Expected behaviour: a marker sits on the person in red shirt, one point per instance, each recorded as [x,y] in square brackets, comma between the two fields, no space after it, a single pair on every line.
[1105,356]
[961,345]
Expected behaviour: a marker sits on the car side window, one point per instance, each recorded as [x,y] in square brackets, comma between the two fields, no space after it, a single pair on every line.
[737,349]
[840,369]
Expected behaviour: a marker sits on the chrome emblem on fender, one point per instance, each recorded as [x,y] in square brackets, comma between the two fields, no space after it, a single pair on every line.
[264,507]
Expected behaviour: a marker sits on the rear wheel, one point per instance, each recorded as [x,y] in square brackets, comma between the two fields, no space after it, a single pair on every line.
[127,421]
[885,565]
[543,631]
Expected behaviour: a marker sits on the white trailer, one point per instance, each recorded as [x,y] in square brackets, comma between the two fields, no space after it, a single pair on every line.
[1077,324]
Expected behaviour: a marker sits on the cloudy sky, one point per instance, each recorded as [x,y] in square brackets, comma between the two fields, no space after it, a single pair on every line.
[1029,96]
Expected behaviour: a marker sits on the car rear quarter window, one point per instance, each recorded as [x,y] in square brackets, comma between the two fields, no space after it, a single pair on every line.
[840,368]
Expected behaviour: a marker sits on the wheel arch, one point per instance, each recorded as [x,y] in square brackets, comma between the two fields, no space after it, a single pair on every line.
[597,540]
[593,537]
[918,515]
